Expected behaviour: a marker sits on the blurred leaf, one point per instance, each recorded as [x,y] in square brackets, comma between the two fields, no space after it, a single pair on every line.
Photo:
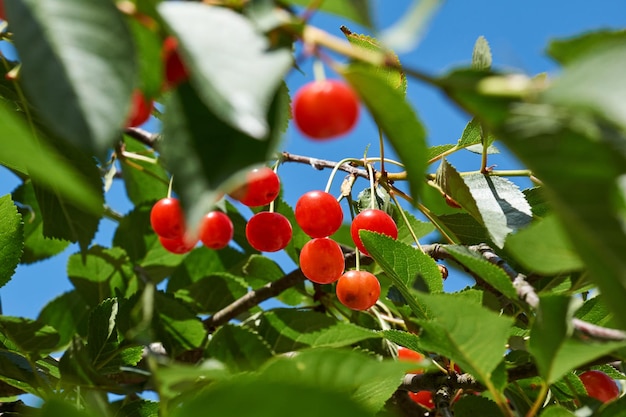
[148,51]
[66,32]
[481,55]
[490,273]
[139,408]
[595,311]
[67,313]
[11,238]
[180,377]
[565,51]
[177,327]
[405,34]
[556,411]
[36,246]
[397,120]
[29,336]
[144,182]
[356,10]
[615,408]
[471,406]
[238,347]
[55,407]
[212,292]
[544,248]
[286,330]
[230,90]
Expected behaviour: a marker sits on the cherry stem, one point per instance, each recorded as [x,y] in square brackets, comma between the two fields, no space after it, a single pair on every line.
[273,202]
[370,171]
[169,187]
[336,168]
[406,220]
[318,70]
[381,144]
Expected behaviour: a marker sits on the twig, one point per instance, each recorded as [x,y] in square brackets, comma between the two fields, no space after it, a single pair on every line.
[320,164]
[149,139]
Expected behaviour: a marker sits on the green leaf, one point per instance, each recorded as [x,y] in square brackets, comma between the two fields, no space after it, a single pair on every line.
[212,292]
[363,378]
[543,247]
[197,265]
[37,247]
[67,314]
[356,10]
[178,328]
[139,408]
[102,273]
[407,33]
[556,411]
[79,44]
[29,336]
[495,202]
[565,51]
[238,347]
[181,377]
[102,338]
[471,406]
[148,51]
[406,339]
[404,264]
[11,238]
[595,311]
[481,55]
[465,228]
[261,400]
[18,372]
[230,90]
[55,407]
[551,344]
[397,120]
[475,339]
[420,228]
[202,152]
[473,135]
[144,182]
[286,330]
[615,408]
[490,273]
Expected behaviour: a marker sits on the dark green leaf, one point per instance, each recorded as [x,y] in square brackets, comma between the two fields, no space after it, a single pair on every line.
[212,292]
[29,336]
[471,406]
[230,90]
[238,347]
[56,407]
[11,238]
[567,50]
[200,263]
[178,328]
[16,371]
[67,314]
[66,32]
[397,120]
[145,182]
[103,339]
[286,330]
[356,10]
[615,408]
[140,408]
[149,50]
[465,228]
[481,56]
[36,246]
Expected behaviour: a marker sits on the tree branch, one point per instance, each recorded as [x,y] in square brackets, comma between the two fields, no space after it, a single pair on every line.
[320,164]
[149,139]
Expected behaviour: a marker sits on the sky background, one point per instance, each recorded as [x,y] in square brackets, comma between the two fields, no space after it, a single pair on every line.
[518,32]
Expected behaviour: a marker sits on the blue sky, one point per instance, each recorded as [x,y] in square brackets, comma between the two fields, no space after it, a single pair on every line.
[517,32]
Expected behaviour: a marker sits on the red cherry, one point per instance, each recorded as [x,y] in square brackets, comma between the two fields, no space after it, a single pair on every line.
[175,69]
[373,220]
[216,230]
[167,218]
[325,109]
[318,214]
[140,111]
[358,290]
[423,398]
[261,188]
[3,15]
[321,260]
[408,355]
[177,245]
[268,231]
[600,386]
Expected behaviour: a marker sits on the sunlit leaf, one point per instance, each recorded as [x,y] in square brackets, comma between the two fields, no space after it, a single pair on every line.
[240,348]
[11,238]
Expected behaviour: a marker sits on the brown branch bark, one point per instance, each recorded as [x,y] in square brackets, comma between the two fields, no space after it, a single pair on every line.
[320,164]
[149,139]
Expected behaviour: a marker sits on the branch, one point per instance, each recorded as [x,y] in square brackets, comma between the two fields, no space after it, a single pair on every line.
[149,139]
[320,164]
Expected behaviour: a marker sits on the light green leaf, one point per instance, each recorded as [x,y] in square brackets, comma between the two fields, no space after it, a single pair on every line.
[180,377]
[473,134]
[144,182]
[420,228]
[408,32]
[356,10]
[406,339]
[240,348]
[230,90]
[557,411]
[139,408]
[595,311]
[465,228]
[56,407]
[11,238]
[212,292]
[79,44]
[481,55]
[286,330]
[178,328]
[567,50]
[397,120]
[543,247]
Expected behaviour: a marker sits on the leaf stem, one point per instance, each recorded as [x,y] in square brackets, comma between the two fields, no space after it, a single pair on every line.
[541,397]
[406,220]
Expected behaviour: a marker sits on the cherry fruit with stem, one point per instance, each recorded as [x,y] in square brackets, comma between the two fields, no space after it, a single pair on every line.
[599,385]
[373,220]
[167,218]
[268,231]
[216,230]
[322,261]
[262,186]
[318,213]
[358,290]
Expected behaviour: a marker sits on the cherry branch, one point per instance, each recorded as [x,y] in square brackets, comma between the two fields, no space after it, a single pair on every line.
[149,139]
[320,164]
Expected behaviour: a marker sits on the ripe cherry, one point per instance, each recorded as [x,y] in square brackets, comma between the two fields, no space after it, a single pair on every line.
[318,214]
[358,290]
[167,218]
[216,230]
[325,109]
[175,69]
[599,385]
[321,260]
[140,110]
[373,220]
[177,245]
[261,188]
[268,231]
[408,355]
[3,15]
[423,398]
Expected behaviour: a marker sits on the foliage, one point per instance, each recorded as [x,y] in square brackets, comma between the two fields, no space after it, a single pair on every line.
[192,334]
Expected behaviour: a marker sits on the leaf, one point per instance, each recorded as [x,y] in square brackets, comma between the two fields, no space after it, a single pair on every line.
[203,153]
[102,338]
[197,265]
[11,238]
[179,377]
[177,327]
[565,51]
[406,339]
[238,347]
[286,330]
[397,120]
[490,273]
[363,378]
[408,32]
[481,55]
[473,134]
[420,228]
[556,411]
[595,311]
[212,292]
[465,332]
[55,407]
[543,247]
[356,10]
[139,408]
[148,51]
[495,202]
[465,228]
[144,182]
[29,336]
[471,405]
[16,371]
[37,247]
[67,314]
[66,32]
[230,90]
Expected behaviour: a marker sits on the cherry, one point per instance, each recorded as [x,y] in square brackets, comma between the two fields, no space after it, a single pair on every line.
[3,15]
[325,109]
[175,70]
[373,220]
[261,188]
[140,111]
[408,355]
[216,230]
[268,231]
[321,260]
[318,214]
[599,385]
[167,218]
[423,398]
[177,245]
[358,290]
